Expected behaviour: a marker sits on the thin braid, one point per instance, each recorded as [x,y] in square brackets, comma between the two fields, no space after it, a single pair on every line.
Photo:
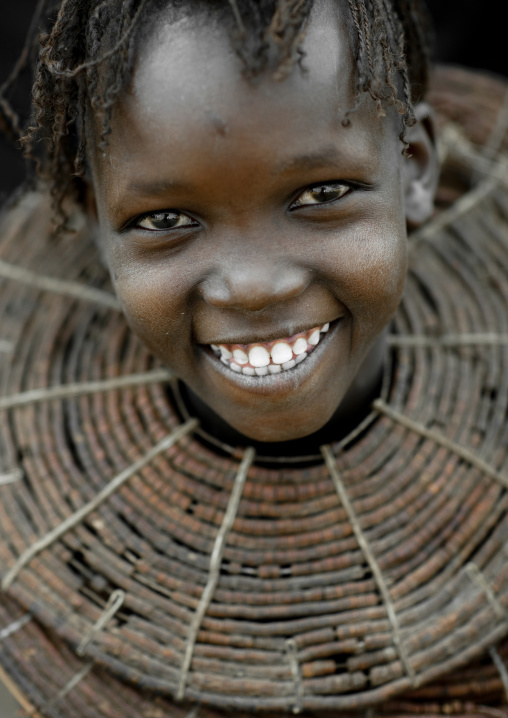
[364,19]
[360,61]
[418,49]
[287,30]
[381,56]
[362,80]
[56,68]
[9,120]
[93,41]
[406,110]
[238,16]
[114,80]
[392,64]
[381,85]
[80,159]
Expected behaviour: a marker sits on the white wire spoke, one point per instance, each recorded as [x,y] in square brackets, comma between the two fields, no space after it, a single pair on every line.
[58,286]
[11,477]
[77,517]
[15,626]
[69,391]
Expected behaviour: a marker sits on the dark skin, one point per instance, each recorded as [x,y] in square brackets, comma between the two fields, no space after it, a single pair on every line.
[236,213]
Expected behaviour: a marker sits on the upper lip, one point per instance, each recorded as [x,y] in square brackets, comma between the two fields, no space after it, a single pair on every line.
[269,336]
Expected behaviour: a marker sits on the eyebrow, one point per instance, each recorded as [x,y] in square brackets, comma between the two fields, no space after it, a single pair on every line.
[326,155]
[329,154]
[154,187]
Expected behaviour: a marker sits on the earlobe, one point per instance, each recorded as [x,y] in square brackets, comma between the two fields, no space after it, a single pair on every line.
[421,167]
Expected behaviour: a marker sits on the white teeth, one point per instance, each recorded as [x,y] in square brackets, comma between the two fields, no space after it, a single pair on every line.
[281,353]
[300,346]
[225,352]
[289,364]
[259,357]
[314,338]
[258,361]
[240,356]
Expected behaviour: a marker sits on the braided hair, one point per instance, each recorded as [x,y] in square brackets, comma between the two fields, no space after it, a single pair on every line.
[84,55]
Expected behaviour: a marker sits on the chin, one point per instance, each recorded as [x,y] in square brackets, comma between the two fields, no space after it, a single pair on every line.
[281,426]
[272,436]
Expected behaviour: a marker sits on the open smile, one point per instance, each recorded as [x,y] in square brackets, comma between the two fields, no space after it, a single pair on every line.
[267,358]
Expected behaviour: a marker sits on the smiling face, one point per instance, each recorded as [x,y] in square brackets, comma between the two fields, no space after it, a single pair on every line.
[257,245]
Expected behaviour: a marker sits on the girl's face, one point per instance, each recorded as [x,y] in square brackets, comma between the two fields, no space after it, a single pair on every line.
[257,245]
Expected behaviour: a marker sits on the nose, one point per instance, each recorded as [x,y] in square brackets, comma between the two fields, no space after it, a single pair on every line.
[254,282]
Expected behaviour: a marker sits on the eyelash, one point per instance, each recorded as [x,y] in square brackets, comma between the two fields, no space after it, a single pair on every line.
[322,187]
[345,188]
[165,213]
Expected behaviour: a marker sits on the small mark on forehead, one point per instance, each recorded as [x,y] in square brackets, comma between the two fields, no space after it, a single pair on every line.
[217,123]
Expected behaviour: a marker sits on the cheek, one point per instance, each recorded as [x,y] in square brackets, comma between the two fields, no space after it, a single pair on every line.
[154,299]
[374,271]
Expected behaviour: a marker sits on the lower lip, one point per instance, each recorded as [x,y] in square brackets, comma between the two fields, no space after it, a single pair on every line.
[287,375]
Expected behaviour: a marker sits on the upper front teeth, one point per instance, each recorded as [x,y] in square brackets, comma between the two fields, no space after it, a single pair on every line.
[259,357]
[281,353]
[300,346]
[269,357]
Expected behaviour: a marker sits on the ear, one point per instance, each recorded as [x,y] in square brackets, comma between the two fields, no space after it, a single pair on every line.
[421,167]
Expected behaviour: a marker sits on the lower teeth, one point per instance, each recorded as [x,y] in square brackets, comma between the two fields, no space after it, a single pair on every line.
[264,370]
[289,364]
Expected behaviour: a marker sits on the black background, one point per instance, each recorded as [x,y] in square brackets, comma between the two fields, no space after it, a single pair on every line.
[468,33]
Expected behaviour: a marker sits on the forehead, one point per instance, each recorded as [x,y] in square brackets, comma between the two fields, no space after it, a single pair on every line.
[197,51]
[188,90]
[189,64]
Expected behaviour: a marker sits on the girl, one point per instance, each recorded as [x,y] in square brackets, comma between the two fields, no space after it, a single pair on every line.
[249,172]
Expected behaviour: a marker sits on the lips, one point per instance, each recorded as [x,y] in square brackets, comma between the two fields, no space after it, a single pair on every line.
[265,358]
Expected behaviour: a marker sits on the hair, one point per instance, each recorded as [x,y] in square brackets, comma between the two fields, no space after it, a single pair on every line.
[84,55]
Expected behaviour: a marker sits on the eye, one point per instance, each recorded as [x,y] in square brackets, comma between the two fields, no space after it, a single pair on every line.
[160,221]
[321,194]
